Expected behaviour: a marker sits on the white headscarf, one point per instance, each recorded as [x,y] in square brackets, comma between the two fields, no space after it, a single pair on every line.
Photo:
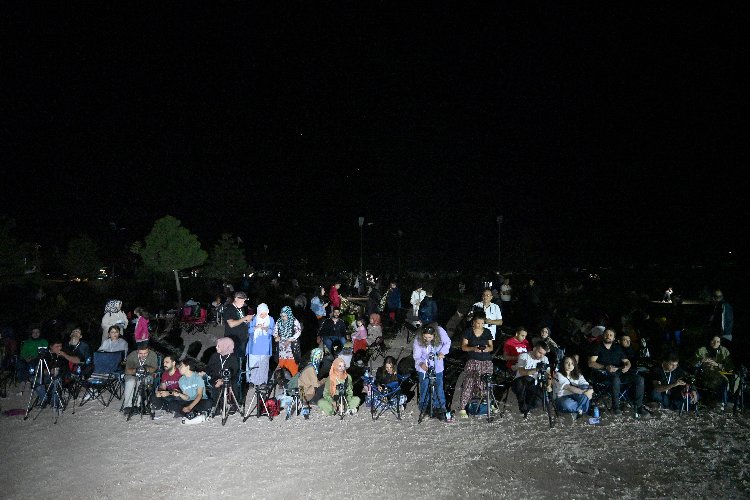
[261,322]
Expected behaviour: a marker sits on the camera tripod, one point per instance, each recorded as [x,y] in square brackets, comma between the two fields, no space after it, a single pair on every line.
[226,399]
[488,395]
[429,407]
[342,405]
[259,403]
[546,403]
[295,407]
[143,393]
[739,394]
[685,406]
[53,390]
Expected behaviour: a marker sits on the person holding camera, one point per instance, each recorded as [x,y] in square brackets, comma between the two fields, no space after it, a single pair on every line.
[532,377]
[237,317]
[477,344]
[339,385]
[671,384]
[713,363]
[431,345]
[141,363]
[573,393]
[223,359]
[612,366]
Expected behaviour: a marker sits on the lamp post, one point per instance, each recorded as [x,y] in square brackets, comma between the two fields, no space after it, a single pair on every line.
[361,222]
[499,228]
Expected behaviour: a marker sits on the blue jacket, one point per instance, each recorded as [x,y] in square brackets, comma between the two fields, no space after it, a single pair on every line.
[262,345]
[428,310]
[394,299]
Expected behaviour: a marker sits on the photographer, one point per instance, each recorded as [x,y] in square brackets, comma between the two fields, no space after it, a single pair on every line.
[223,359]
[142,362]
[713,362]
[669,383]
[612,366]
[58,362]
[532,377]
[477,343]
[338,385]
[430,347]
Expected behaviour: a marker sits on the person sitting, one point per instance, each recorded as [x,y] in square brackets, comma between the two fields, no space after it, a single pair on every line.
[613,367]
[169,383]
[223,359]
[515,346]
[58,362]
[78,349]
[333,330]
[308,380]
[712,363]
[556,352]
[192,391]
[477,343]
[142,358]
[333,392]
[115,342]
[572,392]
[529,369]
[430,347]
[29,354]
[669,382]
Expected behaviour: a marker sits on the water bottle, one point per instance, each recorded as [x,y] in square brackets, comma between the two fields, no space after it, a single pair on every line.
[596,412]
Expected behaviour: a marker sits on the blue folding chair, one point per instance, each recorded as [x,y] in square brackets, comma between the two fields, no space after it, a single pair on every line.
[105,381]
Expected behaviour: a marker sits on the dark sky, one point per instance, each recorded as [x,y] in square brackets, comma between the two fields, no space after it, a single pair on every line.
[594,133]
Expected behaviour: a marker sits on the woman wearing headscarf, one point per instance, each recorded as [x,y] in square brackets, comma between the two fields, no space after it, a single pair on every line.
[259,345]
[223,359]
[308,378]
[337,376]
[286,333]
[113,316]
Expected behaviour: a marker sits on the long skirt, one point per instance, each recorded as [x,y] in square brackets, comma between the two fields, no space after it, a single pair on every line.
[259,375]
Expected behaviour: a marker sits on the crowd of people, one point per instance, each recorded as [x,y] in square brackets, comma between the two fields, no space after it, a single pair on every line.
[589,364]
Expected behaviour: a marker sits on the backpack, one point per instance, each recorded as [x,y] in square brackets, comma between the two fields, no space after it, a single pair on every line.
[273,407]
[475,407]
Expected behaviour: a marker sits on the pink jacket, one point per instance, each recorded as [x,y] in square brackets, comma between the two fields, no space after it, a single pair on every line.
[141,329]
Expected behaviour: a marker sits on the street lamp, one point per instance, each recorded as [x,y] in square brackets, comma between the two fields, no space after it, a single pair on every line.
[361,222]
[499,227]
[400,234]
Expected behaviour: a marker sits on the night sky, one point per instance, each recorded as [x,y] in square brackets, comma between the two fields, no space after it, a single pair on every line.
[599,135]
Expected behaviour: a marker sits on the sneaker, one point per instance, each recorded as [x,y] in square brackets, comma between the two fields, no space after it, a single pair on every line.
[195,420]
[463,414]
[352,411]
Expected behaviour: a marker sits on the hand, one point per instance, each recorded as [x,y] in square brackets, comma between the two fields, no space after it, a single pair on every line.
[589,393]
[423,366]
[186,409]
[679,382]
[219,383]
[611,369]
[440,355]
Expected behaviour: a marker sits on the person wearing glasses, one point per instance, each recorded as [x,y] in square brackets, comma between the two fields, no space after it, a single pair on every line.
[236,318]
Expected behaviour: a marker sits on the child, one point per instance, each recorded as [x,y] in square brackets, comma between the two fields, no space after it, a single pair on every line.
[360,336]
[141,325]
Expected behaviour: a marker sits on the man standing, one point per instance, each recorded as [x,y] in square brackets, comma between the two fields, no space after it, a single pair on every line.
[417,296]
[236,319]
[428,309]
[613,367]
[492,312]
[393,302]
[722,319]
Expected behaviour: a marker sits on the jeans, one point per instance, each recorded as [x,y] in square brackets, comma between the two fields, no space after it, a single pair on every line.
[328,341]
[615,381]
[423,391]
[572,403]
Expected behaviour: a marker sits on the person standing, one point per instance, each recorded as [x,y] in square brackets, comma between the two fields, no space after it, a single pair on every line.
[318,305]
[236,319]
[113,316]
[722,319]
[333,295]
[393,302]
[259,345]
[286,334]
[417,296]
[492,312]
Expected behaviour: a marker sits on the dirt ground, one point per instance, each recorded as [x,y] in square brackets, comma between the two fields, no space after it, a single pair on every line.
[96,453]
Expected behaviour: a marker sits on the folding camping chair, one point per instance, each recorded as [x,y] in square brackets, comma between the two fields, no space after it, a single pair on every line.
[104,384]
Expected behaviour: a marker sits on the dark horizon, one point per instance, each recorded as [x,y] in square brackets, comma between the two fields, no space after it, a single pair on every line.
[608,136]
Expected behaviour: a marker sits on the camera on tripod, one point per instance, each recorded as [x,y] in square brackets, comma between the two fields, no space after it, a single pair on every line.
[226,375]
[486,378]
[140,372]
[688,378]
